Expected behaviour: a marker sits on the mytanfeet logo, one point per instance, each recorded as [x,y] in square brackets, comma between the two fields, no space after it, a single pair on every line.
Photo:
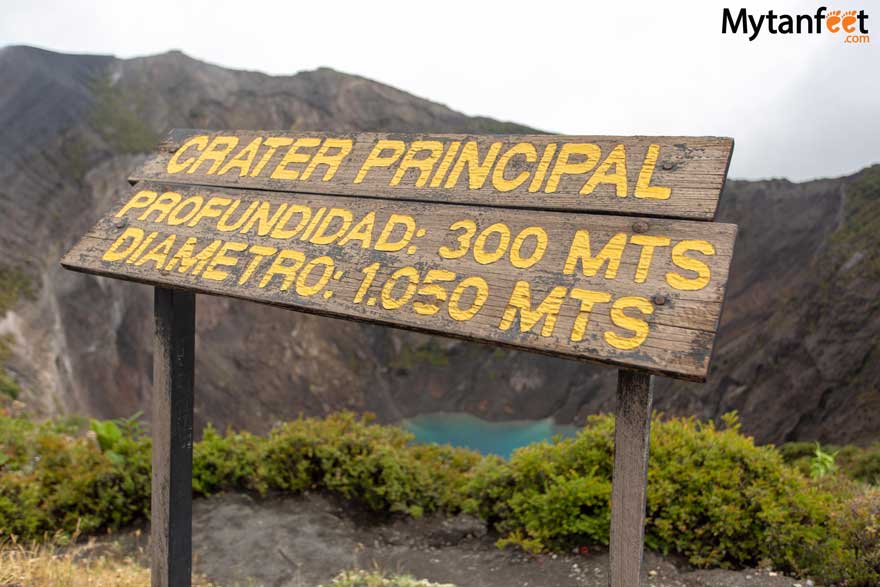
[849,25]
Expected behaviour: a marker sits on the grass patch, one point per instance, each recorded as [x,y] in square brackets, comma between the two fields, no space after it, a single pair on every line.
[431,353]
[15,285]
[86,565]
[9,387]
[860,231]
[360,578]
[116,119]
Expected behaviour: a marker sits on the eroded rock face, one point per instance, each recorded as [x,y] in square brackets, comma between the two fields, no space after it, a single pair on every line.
[797,355]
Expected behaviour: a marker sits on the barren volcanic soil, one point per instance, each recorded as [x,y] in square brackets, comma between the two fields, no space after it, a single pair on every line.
[240,541]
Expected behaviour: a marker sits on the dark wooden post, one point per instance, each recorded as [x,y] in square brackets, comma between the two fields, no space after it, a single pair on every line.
[171,517]
[630,477]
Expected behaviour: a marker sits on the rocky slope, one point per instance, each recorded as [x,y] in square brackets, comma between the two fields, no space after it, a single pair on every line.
[798,353]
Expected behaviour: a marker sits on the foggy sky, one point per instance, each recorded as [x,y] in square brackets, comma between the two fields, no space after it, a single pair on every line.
[798,106]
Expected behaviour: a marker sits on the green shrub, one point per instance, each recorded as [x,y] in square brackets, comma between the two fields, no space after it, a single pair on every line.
[344,454]
[224,463]
[718,499]
[549,496]
[823,463]
[855,558]
[793,452]
[713,496]
[52,480]
[859,463]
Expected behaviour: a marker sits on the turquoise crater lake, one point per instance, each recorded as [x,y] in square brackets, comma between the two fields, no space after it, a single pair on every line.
[468,431]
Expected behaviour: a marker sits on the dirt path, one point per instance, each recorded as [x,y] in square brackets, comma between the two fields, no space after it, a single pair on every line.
[303,542]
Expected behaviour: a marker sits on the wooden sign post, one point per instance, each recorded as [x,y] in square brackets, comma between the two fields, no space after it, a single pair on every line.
[592,248]
[172,428]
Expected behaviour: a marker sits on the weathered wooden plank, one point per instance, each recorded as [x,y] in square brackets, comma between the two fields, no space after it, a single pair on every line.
[172,432]
[632,429]
[677,177]
[641,293]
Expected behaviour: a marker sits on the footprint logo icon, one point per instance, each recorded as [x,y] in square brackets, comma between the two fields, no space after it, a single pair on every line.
[849,19]
[833,20]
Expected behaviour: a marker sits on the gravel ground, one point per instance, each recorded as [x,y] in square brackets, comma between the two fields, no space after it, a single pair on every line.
[303,542]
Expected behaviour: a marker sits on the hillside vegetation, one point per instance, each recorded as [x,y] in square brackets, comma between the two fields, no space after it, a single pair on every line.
[713,496]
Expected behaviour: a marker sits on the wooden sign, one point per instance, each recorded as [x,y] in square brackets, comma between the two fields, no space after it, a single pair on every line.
[636,292]
[675,177]
[478,237]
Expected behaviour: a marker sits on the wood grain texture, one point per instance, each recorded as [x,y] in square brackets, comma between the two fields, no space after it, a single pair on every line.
[632,429]
[172,433]
[514,171]
[680,325]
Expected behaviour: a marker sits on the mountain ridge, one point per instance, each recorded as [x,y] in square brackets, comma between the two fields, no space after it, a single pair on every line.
[74,343]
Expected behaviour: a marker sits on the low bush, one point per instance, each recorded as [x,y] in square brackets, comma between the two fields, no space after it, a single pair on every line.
[856,462]
[344,454]
[54,479]
[713,496]
[856,558]
[862,464]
